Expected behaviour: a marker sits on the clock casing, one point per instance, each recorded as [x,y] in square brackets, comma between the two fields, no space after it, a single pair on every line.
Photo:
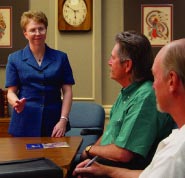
[74,15]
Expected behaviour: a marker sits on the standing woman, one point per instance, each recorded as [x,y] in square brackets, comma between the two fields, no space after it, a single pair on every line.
[36,77]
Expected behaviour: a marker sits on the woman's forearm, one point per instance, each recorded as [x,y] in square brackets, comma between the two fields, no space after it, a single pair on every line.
[12,96]
[67,100]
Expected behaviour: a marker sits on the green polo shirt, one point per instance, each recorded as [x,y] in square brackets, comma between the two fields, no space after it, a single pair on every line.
[135,124]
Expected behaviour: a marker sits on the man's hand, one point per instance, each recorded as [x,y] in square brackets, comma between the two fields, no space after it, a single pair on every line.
[95,169]
[100,170]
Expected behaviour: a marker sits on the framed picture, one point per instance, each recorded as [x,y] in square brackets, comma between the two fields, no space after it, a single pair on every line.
[11,34]
[5,27]
[157,23]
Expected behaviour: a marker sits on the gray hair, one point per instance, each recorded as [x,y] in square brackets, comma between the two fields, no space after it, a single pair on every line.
[174,58]
[136,46]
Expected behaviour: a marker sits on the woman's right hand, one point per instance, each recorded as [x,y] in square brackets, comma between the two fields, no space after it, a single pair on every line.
[16,103]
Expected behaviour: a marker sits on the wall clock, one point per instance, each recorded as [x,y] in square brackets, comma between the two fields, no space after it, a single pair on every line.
[74,15]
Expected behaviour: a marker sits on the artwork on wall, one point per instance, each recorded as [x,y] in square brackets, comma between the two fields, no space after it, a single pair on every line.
[5,27]
[156,23]
[11,34]
[132,18]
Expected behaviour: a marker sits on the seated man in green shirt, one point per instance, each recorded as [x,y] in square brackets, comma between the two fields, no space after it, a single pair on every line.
[169,86]
[135,127]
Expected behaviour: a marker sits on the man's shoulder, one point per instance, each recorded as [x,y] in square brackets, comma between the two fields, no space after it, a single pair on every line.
[146,89]
[147,85]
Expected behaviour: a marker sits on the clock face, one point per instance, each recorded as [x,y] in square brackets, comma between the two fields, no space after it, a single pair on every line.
[74,12]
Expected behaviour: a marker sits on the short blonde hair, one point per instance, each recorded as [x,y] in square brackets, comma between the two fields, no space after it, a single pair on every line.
[37,16]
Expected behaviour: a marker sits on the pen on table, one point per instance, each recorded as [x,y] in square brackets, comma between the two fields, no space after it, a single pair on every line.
[91,161]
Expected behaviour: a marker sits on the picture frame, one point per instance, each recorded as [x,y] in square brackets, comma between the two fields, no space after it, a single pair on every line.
[157,23]
[15,39]
[5,26]
[132,19]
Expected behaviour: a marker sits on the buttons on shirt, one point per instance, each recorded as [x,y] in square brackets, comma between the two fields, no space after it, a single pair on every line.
[40,71]
[42,93]
[126,99]
[42,83]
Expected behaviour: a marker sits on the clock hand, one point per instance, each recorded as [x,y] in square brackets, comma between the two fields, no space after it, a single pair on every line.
[70,7]
[75,11]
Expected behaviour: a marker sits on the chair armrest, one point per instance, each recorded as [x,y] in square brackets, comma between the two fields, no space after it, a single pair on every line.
[91,131]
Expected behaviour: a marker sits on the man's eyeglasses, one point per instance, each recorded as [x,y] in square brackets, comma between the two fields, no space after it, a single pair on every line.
[34,31]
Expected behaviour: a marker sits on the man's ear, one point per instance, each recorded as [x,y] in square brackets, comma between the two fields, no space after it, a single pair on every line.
[129,65]
[173,80]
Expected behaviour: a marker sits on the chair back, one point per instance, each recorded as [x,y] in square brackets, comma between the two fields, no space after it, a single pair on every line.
[86,114]
[87,120]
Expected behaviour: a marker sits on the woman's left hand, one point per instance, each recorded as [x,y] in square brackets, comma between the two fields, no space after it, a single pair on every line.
[60,128]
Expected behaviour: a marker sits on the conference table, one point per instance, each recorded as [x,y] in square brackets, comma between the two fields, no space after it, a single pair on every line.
[14,148]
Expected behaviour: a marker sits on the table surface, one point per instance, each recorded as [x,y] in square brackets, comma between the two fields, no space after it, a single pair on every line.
[14,148]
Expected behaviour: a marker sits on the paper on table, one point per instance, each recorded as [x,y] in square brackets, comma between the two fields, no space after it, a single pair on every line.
[46,145]
[55,145]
